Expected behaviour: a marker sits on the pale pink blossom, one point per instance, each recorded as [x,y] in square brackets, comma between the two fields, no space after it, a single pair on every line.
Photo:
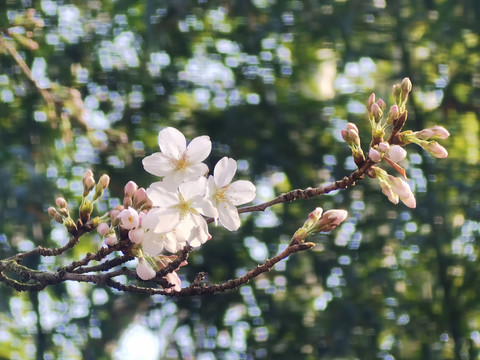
[225,195]
[144,271]
[178,162]
[129,218]
[183,208]
[402,189]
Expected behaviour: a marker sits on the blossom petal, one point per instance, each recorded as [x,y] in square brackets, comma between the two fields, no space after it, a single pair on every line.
[205,207]
[144,271]
[158,164]
[153,243]
[240,192]
[172,142]
[191,189]
[224,171]
[195,170]
[161,220]
[160,196]
[199,148]
[228,217]
[198,230]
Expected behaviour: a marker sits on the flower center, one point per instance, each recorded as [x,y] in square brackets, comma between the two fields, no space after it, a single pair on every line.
[221,195]
[182,163]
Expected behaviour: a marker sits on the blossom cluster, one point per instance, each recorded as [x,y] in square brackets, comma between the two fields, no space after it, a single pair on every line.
[172,212]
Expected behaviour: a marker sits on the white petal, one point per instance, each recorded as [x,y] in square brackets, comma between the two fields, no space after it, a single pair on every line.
[158,164]
[153,243]
[224,171]
[240,192]
[160,196]
[172,142]
[144,271]
[161,220]
[195,170]
[191,189]
[205,207]
[199,148]
[228,217]
[199,233]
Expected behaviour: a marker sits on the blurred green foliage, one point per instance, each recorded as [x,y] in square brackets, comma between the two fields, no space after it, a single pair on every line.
[272,83]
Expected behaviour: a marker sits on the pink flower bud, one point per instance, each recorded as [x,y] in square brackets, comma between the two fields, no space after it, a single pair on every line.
[88,184]
[104,181]
[313,217]
[376,112]
[51,211]
[387,190]
[110,239]
[140,197]
[406,85]
[352,127]
[103,229]
[374,155]
[393,113]
[61,202]
[130,189]
[436,150]
[383,146]
[381,104]
[396,153]
[440,132]
[88,173]
[402,189]
[424,134]
[336,217]
[144,271]
[370,102]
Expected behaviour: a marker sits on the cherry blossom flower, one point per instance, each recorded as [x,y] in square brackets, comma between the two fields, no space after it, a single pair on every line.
[225,195]
[129,218]
[178,162]
[183,208]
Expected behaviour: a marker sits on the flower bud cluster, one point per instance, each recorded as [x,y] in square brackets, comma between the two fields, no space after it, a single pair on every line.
[319,221]
[351,137]
[392,150]
[61,215]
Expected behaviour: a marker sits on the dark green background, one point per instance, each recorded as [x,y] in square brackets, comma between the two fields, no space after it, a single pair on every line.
[280,79]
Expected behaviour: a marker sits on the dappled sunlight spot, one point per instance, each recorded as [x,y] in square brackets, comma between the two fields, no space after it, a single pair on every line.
[321,302]
[137,343]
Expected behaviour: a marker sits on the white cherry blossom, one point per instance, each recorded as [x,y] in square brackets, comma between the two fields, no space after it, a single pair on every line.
[178,162]
[183,208]
[225,195]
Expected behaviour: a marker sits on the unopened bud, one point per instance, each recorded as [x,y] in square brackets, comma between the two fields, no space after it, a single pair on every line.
[104,181]
[374,155]
[383,146]
[436,150]
[86,208]
[139,198]
[381,104]
[61,202]
[103,229]
[370,102]
[58,218]
[396,153]
[130,189]
[51,211]
[110,239]
[88,173]
[88,184]
[376,112]
[397,94]
[406,85]
[331,219]
[393,113]
[70,225]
